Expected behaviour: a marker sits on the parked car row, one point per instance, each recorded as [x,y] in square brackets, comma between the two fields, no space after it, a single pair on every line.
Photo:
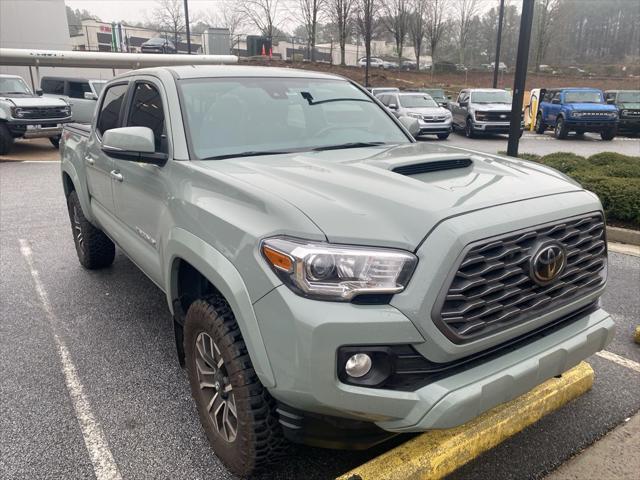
[41,114]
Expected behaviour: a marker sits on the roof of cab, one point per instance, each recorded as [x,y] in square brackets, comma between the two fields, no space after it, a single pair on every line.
[208,71]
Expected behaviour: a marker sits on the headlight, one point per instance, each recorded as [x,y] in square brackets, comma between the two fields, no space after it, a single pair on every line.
[624,113]
[576,114]
[447,114]
[18,112]
[327,271]
[480,115]
[66,110]
[414,115]
[613,114]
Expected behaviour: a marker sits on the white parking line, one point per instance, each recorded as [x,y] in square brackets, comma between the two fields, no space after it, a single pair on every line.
[104,466]
[625,362]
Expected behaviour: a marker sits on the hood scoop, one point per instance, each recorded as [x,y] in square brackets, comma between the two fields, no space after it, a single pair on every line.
[432,166]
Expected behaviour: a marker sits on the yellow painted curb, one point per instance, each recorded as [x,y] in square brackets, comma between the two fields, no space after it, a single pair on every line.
[437,453]
[636,337]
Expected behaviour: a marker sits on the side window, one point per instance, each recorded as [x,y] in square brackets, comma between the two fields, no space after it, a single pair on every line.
[146,111]
[556,97]
[548,95]
[384,99]
[51,85]
[78,89]
[110,109]
[464,96]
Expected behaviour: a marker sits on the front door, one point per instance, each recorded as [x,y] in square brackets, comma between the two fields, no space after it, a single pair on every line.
[100,166]
[142,190]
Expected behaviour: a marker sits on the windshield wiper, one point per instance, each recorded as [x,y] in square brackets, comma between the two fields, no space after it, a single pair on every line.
[348,145]
[250,153]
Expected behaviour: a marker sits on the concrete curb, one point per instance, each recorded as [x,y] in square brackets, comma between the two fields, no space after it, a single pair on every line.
[437,453]
[623,235]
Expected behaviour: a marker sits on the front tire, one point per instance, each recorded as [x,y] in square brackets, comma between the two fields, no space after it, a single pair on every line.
[95,250]
[237,413]
[443,136]
[540,126]
[468,129]
[6,139]
[561,131]
[608,135]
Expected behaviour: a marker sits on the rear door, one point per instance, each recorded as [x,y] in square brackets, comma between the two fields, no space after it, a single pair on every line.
[99,165]
[141,192]
[459,111]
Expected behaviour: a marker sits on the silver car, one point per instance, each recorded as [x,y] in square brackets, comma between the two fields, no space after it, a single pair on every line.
[432,118]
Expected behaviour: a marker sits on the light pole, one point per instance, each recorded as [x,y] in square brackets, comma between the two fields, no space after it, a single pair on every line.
[496,67]
[520,77]
[186,21]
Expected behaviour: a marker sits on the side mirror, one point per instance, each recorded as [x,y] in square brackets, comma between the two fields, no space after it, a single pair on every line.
[411,124]
[611,101]
[39,92]
[135,144]
[448,97]
[90,96]
[463,104]
[393,106]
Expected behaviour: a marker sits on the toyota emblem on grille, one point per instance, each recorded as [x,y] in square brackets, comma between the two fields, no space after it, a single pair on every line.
[548,263]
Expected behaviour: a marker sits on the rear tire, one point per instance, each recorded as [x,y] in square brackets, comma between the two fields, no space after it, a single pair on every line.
[561,131]
[6,140]
[608,135]
[224,385]
[443,136]
[55,141]
[95,250]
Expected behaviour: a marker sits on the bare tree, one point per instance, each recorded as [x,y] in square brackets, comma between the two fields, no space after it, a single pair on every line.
[417,26]
[396,20]
[465,11]
[309,11]
[169,15]
[340,12]
[366,17]
[546,11]
[435,26]
[264,14]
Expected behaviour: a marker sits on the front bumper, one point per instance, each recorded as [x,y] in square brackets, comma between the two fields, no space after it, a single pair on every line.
[433,128]
[631,125]
[302,341]
[36,128]
[590,126]
[493,127]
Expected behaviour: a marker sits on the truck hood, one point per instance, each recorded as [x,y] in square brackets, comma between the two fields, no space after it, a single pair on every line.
[499,107]
[428,110]
[592,107]
[34,101]
[629,106]
[354,197]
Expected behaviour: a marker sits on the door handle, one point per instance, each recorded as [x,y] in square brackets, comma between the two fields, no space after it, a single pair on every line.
[90,160]
[117,175]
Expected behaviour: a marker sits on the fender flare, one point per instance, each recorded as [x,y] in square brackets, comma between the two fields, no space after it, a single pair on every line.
[79,186]
[223,275]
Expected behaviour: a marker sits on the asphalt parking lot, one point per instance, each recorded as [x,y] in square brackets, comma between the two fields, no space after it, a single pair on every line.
[115,327]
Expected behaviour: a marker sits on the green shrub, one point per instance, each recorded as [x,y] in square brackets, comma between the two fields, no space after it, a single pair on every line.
[615,178]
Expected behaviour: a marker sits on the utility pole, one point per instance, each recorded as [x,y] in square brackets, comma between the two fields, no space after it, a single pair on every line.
[496,67]
[520,77]
[186,22]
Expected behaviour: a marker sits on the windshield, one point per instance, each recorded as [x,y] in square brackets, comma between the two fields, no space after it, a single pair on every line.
[589,96]
[239,116]
[629,97]
[435,93]
[494,96]
[13,86]
[417,101]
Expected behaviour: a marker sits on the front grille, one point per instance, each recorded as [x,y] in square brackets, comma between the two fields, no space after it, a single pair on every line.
[496,116]
[433,118]
[44,112]
[492,288]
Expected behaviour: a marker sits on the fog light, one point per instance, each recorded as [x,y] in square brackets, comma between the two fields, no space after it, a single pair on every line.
[358,365]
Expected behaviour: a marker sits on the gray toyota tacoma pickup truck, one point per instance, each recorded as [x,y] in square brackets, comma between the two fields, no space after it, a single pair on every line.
[331,280]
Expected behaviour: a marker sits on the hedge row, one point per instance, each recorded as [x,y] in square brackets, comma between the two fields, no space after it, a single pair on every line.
[615,178]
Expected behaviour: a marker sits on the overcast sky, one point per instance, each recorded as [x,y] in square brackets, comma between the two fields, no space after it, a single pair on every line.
[134,10]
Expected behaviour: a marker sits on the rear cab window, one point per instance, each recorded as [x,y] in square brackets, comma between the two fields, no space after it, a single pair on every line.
[111,108]
[78,89]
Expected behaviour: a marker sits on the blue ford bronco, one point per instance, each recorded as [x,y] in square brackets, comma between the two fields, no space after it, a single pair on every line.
[576,110]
